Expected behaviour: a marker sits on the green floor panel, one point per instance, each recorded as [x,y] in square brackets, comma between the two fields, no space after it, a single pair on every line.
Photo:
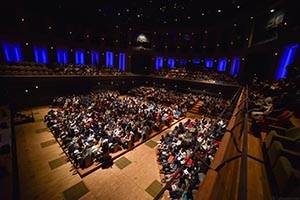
[58,162]
[76,191]
[122,162]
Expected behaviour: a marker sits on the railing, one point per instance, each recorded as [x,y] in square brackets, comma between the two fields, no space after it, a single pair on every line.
[227,176]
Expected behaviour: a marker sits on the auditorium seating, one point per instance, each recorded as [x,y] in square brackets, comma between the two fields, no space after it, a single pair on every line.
[287,178]
[288,137]
[277,149]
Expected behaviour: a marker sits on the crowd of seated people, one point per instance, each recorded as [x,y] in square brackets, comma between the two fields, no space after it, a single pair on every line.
[32,68]
[283,89]
[273,99]
[213,106]
[100,123]
[177,100]
[200,74]
[72,69]
[181,152]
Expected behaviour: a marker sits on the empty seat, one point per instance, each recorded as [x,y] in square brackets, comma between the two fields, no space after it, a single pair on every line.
[287,178]
[286,136]
[276,150]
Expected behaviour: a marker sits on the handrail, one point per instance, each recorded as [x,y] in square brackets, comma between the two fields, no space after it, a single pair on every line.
[243,173]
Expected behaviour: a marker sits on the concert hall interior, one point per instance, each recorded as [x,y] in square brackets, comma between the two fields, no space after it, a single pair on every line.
[173,100]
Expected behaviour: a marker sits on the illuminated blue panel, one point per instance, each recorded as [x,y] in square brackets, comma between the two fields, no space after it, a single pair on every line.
[235,66]
[62,56]
[182,62]
[122,61]
[79,57]
[95,58]
[222,64]
[109,59]
[196,61]
[286,59]
[40,54]
[209,63]
[12,52]
[159,63]
[171,62]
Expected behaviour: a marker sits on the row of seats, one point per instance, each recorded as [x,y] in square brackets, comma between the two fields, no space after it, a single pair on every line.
[282,155]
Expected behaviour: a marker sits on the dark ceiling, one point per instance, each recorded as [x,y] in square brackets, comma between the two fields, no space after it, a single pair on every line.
[102,16]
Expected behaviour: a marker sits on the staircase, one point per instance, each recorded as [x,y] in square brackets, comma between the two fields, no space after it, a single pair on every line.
[196,107]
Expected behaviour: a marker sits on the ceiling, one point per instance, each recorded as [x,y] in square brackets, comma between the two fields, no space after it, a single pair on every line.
[102,16]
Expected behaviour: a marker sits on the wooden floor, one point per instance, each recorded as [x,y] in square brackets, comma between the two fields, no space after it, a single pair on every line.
[37,180]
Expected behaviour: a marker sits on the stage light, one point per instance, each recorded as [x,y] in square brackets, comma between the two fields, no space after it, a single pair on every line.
[202,14]
[26,91]
[272,10]
[22,19]
[219,10]
[275,53]
[36,87]
[238,6]
[26,43]
[49,27]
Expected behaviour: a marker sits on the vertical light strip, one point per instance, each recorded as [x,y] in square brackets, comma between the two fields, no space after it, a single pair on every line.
[196,61]
[65,57]
[17,54]
[109,59]
[79,57]
[40,54]
[222,64]
[5,48]
[36,54]
[286,59]
[62,56]
[95,58]
[45,57]
[12,52]
[122,61]
[235,66]
[159,63]
[82,57]
[209,63]
[171,63]
[182,62]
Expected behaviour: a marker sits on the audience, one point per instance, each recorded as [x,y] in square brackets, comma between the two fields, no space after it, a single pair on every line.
[182,151]
[32,68]
[102,123]
[200,73]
